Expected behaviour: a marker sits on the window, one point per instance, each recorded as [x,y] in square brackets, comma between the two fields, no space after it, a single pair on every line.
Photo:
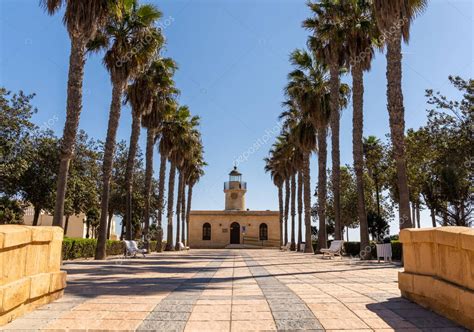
[263,232]
[206,231]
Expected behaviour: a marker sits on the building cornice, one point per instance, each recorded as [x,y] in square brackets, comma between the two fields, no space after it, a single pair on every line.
[234,212]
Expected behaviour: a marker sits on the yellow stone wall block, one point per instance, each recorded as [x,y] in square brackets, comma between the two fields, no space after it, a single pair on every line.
[40,233]
[14,235]
[423,285]
[443,271]
[450,264]
[15,293]
[446,294]
[58,281]
[426,257]
[14,263]
[55,251]
[30,273]
[409,257]
[40,285]
[405,281]
[37,258]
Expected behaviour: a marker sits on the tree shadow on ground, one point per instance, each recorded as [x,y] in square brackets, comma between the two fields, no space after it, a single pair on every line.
[400,313]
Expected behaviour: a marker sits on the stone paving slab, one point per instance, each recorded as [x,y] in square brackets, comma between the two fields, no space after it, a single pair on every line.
[231,290]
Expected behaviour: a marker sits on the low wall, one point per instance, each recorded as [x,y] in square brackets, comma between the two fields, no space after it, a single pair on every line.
[30,275]
[439,271]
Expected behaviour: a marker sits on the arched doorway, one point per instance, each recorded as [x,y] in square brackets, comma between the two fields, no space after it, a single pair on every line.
[235,233]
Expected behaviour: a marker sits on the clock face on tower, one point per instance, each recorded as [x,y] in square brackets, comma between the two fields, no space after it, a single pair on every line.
[234,196]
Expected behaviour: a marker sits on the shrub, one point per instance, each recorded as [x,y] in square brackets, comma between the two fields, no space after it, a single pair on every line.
[83,248]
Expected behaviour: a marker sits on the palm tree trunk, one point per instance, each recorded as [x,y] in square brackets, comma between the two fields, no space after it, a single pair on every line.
[281,209]
[109,224]
[132,151]
[322,190]
[66,225]
[300,209]
[73,112]
[308,248]
[396,113]
[358,154]
[287,207]
[107,165]
[161,201]
[178,209]
[433,217]
[183,213]
[36,214]
[293,210]
[150,142]
[335,153]
[188,212]
[377,194]
[418,221]
[169,237]
[88,227]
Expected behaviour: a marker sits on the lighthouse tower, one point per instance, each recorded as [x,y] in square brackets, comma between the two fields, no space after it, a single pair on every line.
[235,190]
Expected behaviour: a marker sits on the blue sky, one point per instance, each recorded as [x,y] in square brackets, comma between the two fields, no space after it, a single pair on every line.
[233,62]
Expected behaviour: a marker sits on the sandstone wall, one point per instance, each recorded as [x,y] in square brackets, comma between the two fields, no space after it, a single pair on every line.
[30,275]
[439,271]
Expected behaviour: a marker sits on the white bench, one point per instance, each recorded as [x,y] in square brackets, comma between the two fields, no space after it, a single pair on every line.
[334,250]
[133,250]
[181,246]
[286,247]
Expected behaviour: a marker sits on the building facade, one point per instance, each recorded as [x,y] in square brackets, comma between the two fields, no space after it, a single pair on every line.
[235,226]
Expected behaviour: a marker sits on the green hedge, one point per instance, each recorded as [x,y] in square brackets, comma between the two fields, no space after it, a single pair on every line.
[83,248]
[352,248]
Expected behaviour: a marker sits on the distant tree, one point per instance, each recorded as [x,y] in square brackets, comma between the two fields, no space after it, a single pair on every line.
[37,182]
[378,226]
[11,211]
[16,130]
[83,182]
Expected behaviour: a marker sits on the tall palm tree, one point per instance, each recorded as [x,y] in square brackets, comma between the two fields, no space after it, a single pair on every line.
[328,44]
[394,19]
[161,82]
[361,39]
[82,19]
[273,166]
[195,172]
[303,137]
[177,135]
[131,25]
[308,87]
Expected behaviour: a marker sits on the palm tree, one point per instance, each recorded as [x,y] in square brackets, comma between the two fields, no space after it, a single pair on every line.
[393,20]
[300,208]
[82,19]
[328,44]
[273,166]
[361,39]
[160,81]
[176,136]
[165,147]
[308,87]
[131,25]
[303,137]
[195,172]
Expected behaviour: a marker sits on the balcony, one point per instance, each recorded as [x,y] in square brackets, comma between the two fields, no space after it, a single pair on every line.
[235,185]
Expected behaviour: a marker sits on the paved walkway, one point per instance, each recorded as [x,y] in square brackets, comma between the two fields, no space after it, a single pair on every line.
[238,290]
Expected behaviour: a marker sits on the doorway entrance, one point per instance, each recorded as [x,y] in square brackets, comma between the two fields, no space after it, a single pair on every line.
[235,233]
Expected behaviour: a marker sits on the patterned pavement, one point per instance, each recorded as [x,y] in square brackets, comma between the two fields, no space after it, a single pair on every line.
[231,290]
